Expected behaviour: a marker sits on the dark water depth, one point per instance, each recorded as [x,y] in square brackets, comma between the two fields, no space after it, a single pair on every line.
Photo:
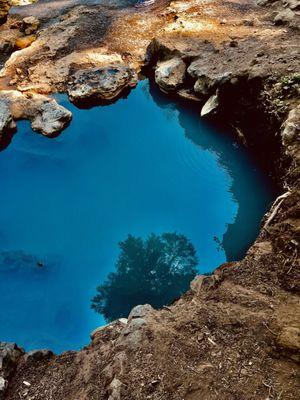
[142,165]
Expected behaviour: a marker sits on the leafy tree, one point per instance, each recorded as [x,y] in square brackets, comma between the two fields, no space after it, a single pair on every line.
[155,271]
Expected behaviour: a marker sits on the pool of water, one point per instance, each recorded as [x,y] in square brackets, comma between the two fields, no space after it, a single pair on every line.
[144,164]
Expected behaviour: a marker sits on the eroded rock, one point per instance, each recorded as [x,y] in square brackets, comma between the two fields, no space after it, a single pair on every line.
[46,116]
[170,74]
[51,118]
[101,84]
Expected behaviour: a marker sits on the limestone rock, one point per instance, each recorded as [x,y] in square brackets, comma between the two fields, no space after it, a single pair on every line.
[102,84]
[210,106]
[46,116]
[51,119]
[170,74]
[30,25]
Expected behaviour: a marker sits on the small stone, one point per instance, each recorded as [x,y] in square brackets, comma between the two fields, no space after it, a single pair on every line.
[30,25]
[26,383]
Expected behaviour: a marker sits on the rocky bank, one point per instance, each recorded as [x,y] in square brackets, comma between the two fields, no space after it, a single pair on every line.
[236,333]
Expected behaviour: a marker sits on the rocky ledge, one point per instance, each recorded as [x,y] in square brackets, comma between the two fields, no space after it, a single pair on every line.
[235,334]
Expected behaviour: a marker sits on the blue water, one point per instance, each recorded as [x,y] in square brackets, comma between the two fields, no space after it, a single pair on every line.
[144,164]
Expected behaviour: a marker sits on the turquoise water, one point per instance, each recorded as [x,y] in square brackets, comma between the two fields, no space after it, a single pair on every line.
[144,164]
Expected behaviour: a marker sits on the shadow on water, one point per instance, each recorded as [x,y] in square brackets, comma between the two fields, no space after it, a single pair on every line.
[155,270]
[238,237]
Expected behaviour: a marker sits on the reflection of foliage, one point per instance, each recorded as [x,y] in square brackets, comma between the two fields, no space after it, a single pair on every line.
[154,271]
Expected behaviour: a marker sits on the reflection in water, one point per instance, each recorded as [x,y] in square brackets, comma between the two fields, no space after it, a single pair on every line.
[242,231]
[155,271]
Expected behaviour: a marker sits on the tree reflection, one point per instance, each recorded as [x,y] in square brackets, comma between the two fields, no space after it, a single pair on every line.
[155,271]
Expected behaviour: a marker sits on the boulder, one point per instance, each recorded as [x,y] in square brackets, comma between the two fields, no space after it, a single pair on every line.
[51,119]
[46,116]
[170,74]
[30,25]
[101,84]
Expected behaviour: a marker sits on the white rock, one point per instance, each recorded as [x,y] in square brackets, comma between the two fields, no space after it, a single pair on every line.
[210,106]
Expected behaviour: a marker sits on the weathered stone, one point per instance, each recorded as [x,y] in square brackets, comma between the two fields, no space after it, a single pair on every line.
[103,84]
[10,354]
[30,25]
[38,355]
[51,119]
[140,311]
[170,74]
[46,116]
[210,106]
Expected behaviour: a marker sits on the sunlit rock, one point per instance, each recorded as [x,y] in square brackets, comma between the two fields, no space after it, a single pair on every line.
[46,116]
[103,84]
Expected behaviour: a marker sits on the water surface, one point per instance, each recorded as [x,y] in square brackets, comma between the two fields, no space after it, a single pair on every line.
[141,165]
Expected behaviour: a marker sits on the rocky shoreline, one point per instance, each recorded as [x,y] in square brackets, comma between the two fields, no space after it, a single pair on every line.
[235,334]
